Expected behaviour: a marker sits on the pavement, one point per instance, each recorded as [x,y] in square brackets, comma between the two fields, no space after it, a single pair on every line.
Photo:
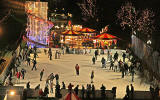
[65,67]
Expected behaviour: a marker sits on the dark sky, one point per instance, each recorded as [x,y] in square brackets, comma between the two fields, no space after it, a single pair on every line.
[107,12]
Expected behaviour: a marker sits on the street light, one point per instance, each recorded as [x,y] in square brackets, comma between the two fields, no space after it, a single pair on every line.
[12,93]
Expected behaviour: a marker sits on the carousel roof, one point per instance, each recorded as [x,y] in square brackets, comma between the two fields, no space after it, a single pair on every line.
[106,36]
[87,30]
[71,32]
[71,96]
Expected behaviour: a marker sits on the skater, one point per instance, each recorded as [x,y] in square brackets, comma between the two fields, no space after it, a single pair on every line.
[132,73]
[34,64]
[50,55]
[124,56]
[92,76]
[96,54]
[46,91]
[93,60]
[56,54]
[45,51]
[103,61]
[37,87]
[59,54]
[111,65]
[23,71]
[51,77]
[57,78]
[51,87]
[18,74]
[77,69]
[28,61]
[116,56]
[41,74]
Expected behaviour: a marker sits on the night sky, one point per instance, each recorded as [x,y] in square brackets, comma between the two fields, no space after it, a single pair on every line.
[107,13]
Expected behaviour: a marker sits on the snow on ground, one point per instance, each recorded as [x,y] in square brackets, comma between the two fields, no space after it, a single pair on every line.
[65,67]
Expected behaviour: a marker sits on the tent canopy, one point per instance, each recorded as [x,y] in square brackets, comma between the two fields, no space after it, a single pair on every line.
[71,96]
[71,33]
[105,36]
[87,30]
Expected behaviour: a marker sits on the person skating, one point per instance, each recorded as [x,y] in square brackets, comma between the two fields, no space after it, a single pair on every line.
[132,73]
[51,77]
[18,74]
[93,60]
[56,54]
[46,91]
[92,76]
[41,74]
[51,87]
[116,56]
[34,64]
[57,78]
[37,87]
[45,51]
[77,69]
[96,54]
[103,61]
[111,65]
[124,56]
[23,71]
[28,61]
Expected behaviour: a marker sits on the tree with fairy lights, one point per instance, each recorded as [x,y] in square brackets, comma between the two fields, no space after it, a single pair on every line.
[89,11]
[139,21]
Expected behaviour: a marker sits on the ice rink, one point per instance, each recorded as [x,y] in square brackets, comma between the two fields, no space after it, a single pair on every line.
[65,67]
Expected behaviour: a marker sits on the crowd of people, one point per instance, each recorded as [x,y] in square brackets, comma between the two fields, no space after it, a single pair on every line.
[127,66]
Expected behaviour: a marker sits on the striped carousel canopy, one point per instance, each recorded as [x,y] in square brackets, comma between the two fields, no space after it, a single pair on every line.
[105,36]
[87,30]
[71,32]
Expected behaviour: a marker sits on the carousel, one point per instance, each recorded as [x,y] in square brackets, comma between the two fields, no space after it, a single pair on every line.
[105,40]
[71,38]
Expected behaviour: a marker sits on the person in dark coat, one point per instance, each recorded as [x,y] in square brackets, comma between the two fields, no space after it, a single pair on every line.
[103,89]
[124,56]
[116,56]
[103,61]
[76,89]
[37,87]
[111,65]
[127,91]
[34,64]
[63,85]
[28,61]
[57,78]
[77,69]
[96,54]
[132,92]
[41,74]
[93,60]
[28,85]
[46,91]
[93,91]
[70,87]
[23,71]
[83,92]
[92,76]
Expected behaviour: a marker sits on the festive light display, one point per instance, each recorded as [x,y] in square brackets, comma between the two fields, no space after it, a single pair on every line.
[38,27]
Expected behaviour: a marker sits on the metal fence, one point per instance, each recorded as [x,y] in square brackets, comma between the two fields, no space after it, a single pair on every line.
[147,54]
